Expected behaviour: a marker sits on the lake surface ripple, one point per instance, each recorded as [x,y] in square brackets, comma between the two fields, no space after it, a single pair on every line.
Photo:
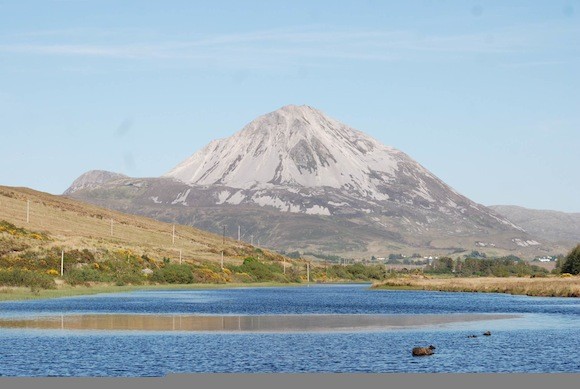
[321,328]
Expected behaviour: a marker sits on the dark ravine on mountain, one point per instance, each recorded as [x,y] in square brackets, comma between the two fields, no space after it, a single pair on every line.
[296,179]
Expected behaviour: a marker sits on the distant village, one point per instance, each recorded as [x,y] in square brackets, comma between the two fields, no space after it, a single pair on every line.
[399,261]
[418,260]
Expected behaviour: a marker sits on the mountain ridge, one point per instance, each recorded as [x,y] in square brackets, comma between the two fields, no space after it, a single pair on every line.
[556,226]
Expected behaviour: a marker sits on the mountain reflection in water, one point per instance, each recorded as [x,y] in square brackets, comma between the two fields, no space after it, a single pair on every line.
[236,323]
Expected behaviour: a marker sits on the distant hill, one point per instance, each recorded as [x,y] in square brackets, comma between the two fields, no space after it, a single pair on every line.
[297,179]
[560,227]
[71,225]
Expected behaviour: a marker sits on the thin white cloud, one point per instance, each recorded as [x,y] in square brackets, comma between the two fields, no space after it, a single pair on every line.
[529,64]
[273,47]
[126,51]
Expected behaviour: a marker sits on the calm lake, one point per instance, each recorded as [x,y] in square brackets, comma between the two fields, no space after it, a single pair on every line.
[317,328]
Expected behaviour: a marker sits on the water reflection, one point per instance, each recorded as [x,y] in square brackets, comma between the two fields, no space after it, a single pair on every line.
[247,323]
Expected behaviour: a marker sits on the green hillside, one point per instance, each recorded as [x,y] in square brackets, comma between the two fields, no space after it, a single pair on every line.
[104,246]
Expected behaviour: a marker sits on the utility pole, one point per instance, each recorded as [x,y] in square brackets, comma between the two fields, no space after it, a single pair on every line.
[284,265]
[27,211]
[223,244]
[180,256]
[239,232]
[308,272]
[62,263]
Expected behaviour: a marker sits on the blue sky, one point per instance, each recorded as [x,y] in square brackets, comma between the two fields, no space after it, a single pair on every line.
[484,94]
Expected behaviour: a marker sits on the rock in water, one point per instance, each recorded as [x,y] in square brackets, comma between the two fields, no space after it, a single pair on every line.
[423,351]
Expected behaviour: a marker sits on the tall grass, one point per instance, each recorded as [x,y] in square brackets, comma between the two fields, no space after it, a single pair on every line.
[548,287]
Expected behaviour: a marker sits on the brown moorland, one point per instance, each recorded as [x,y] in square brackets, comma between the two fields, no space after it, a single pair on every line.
[554,286]
[104,248]
[72,224]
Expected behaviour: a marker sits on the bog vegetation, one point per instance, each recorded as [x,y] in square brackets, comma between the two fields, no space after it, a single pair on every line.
[503,275]
[23,262]
[110,248]
[547,287]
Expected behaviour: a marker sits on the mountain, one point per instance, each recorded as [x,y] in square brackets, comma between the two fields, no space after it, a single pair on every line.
[551,225]
[299,147]
[92,180]
[299,180]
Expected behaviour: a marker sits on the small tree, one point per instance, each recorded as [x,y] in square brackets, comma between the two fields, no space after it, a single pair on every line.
[572,262]
[559,263]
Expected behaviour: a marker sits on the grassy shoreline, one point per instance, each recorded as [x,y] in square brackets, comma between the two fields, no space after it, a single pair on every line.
[24,293]
[540,287]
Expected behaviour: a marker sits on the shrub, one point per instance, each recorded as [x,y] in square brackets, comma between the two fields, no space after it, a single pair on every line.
[10,245]
[78,256]
[17,231]
[11,228]
[481,267]
[205,275]
[259,271]
[84,275]
[21,277]
[357,271]
[243,277]
[173,274]
[129,278]
[338,272]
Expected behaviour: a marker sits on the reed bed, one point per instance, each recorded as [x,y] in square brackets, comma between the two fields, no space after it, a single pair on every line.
[547,287]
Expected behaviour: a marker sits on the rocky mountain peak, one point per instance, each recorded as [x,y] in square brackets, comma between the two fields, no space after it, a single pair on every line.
[292,146]
[93,179]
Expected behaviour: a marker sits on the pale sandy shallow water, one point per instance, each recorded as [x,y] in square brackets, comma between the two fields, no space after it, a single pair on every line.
[242,323]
